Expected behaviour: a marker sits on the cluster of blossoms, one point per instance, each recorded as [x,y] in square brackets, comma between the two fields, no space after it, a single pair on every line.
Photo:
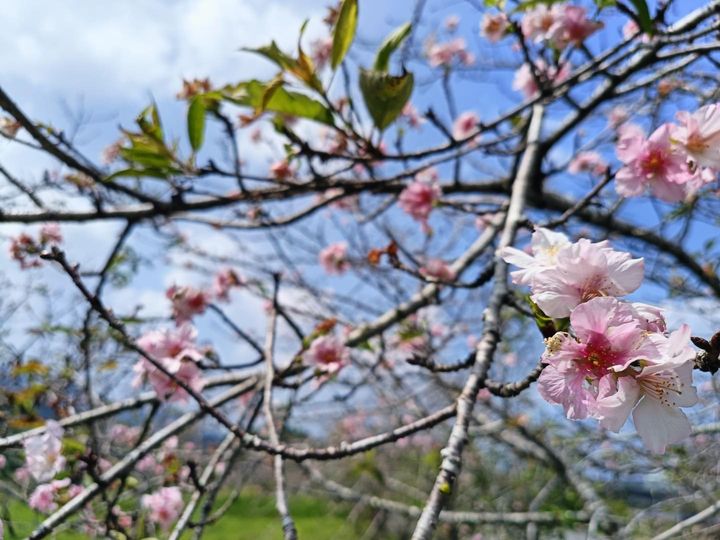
[449,52]
[176,350]
[164,506]
[45,497]
[675,161]
[617,358]
[559,25]
[26,250]
[421,196]
[43,461]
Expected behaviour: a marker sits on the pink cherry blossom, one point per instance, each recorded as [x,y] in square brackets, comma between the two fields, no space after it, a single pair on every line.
[281,170]
[630,29]
[606,339]
[9,127]
[225,280]
[43,497]
[590,162]
[525,82]
[333,258]
[327,354]
[537,22]
[50,234]
[451,23]
[465,125]
[618,116]
[444,54]
[650,163]
[26,250]
[699,135]
[177,352]
[43,453]
[187,302]
[585,270]
[494,26]
[411,115]
[544,248]
[653,390]
[571,26]
[437,269]
[419,198]
[164,505]
[320,51]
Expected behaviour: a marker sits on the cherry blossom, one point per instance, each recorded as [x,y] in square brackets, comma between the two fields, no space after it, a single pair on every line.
[164,505]
[43,453]
[437,269]
[585,270]
[320,51]
[617,116]
[451,23]
[653,390]
[9,127]
[537,22]
[411,115]
[494,26]
[542,255]
[699,135]
[327,354]
[225,280]
[465,125]
[650,163]
[281,170]
[590,162]
[45,496]
[26,250]
[419,198]
[177,352]
[606,337]
[444,54]
[187,302]
[333,258]
[571,26]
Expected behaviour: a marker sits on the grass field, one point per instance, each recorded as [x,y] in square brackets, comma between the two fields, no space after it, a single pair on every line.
[251,517]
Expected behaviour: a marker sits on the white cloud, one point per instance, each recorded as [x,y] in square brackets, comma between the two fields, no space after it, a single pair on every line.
[118,51]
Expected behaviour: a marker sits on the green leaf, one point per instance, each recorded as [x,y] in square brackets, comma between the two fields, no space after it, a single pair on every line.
[643,13]
[149,122]
[196,122]
[391,43]
[344,31]
[273,53]
[385,95]
[251,94]
[302,67]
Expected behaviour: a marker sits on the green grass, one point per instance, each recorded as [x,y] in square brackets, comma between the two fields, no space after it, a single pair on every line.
[251,517]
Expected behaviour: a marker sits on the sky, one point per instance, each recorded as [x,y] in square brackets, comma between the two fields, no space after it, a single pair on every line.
[100,63]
